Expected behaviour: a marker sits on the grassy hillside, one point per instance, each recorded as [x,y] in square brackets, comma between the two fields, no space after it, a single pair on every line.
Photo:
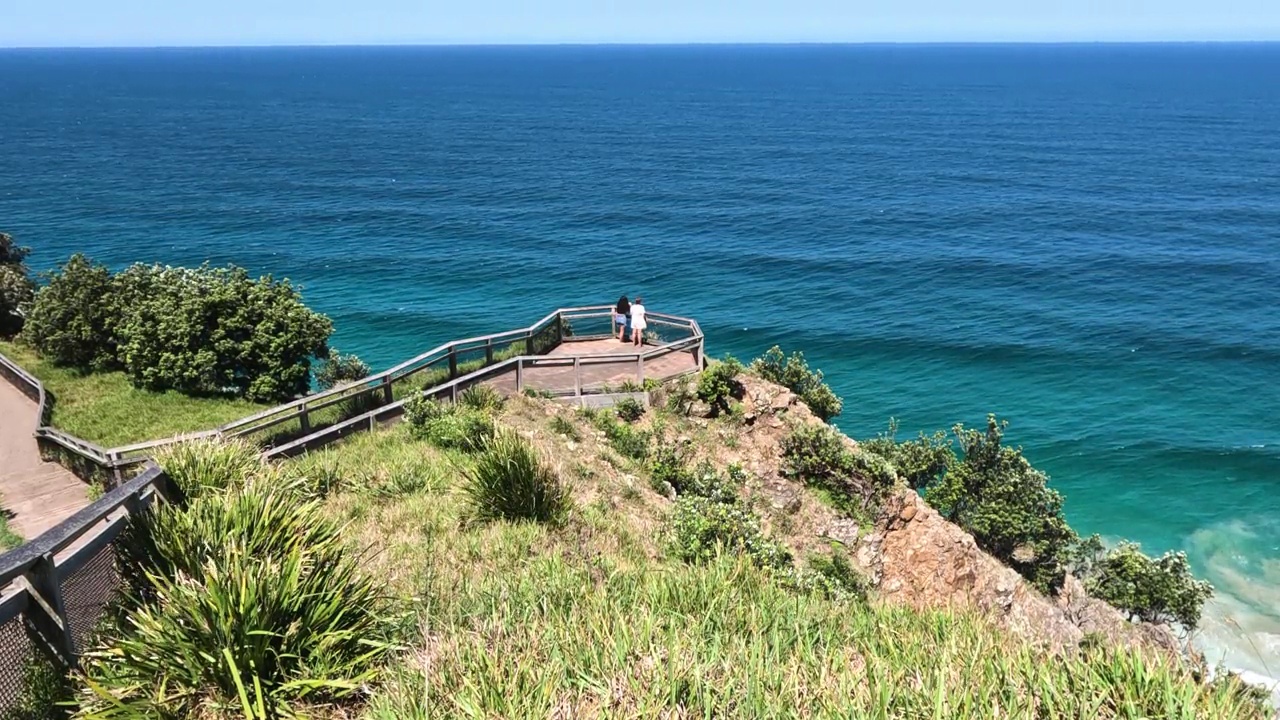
[623,603]
[596,618]
[105,408]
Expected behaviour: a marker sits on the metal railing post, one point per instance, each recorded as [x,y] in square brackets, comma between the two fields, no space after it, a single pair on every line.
[50,616]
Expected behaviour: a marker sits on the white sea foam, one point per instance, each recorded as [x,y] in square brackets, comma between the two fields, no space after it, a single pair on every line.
[1240,629]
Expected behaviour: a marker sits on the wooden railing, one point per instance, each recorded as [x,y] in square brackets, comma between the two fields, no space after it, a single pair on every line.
[441,372]
[58,581]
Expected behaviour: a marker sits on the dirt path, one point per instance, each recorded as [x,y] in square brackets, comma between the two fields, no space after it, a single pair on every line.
[34,495]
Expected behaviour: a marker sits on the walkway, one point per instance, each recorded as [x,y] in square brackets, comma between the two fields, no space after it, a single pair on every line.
[34,495]
[560,379]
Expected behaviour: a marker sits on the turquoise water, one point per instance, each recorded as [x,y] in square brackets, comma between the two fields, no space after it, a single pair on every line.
[1084,239]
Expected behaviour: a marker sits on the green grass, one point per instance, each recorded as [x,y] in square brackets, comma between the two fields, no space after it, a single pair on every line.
[106,409]
[8,538]
[593,618]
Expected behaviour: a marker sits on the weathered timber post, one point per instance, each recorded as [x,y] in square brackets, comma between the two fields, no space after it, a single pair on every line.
[46,610]
[488,351]
[519,374]
[453,362]
[387,393]
[577,376]
[304,418]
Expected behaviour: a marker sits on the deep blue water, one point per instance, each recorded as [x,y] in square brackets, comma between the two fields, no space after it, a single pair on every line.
[1084,239]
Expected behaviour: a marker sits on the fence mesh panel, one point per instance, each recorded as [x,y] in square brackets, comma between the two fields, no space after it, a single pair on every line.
[86,593]
[16,652]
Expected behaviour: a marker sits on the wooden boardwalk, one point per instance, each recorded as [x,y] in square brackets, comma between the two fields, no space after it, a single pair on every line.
[34,495]
[560,379]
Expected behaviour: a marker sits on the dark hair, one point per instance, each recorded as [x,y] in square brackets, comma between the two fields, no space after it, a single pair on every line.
[639,300]
[624,307]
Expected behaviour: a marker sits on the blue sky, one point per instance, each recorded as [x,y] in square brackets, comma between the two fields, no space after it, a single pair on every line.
[272,22]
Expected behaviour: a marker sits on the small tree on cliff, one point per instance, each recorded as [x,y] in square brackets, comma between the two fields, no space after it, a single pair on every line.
[16,287]
[71,320]
[995,494]
[1156,590]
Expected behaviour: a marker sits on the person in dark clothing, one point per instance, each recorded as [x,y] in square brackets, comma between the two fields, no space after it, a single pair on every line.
[622,318]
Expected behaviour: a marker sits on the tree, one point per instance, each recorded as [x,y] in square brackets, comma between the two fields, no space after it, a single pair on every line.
[995,494]
[71,319]
[217,330]
[16,288]
[1155,590]
[338,369]
[794,373]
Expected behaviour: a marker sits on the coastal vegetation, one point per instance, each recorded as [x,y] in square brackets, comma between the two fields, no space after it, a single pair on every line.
[16,287]
[794,374]
[203,332]
[992,491]
[619,602]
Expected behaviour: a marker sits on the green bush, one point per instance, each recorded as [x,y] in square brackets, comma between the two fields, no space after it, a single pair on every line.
[921,462]
[198,466]
[204,331]
[628,441]
[563,426]
[702,529]
[72,320]
[1155,590]
[718,385]
[629,409]
[794,373]
[481,397]
[16,288]
[1006,504]
[853,480]
[510,481]
[670,468]
[337,369]
[833,577]
[449,426]
[250,604]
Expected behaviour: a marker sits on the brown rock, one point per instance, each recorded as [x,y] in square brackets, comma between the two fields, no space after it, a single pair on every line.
[908,512]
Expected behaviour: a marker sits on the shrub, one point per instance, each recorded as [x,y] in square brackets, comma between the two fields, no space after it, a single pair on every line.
[16,288]
[198,466]
[510,481]
[670,467]
[250,602]
[702,528]
[878,473]
[1006,504]
[481,397]
[448,426]
[202,332]
[680,397]
[72,319]
[815,453]
[338,369]
[920,462]
[210,330]
[831,576]
[794,373]
[629,409]
[628,441]
[563,426]
[718,384]
[1155,590]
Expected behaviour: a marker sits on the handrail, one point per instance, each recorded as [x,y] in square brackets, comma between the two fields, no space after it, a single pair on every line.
[125,455]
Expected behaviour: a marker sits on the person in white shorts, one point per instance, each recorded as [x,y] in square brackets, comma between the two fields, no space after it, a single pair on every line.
[638,322]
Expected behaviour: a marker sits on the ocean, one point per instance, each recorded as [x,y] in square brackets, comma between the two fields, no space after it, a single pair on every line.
[1084,239]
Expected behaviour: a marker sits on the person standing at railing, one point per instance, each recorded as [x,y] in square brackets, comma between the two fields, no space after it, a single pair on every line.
[622,318]
[638,322]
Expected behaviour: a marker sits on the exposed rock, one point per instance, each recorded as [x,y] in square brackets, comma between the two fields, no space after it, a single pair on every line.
[749,418]
[843,531]
[927,562]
